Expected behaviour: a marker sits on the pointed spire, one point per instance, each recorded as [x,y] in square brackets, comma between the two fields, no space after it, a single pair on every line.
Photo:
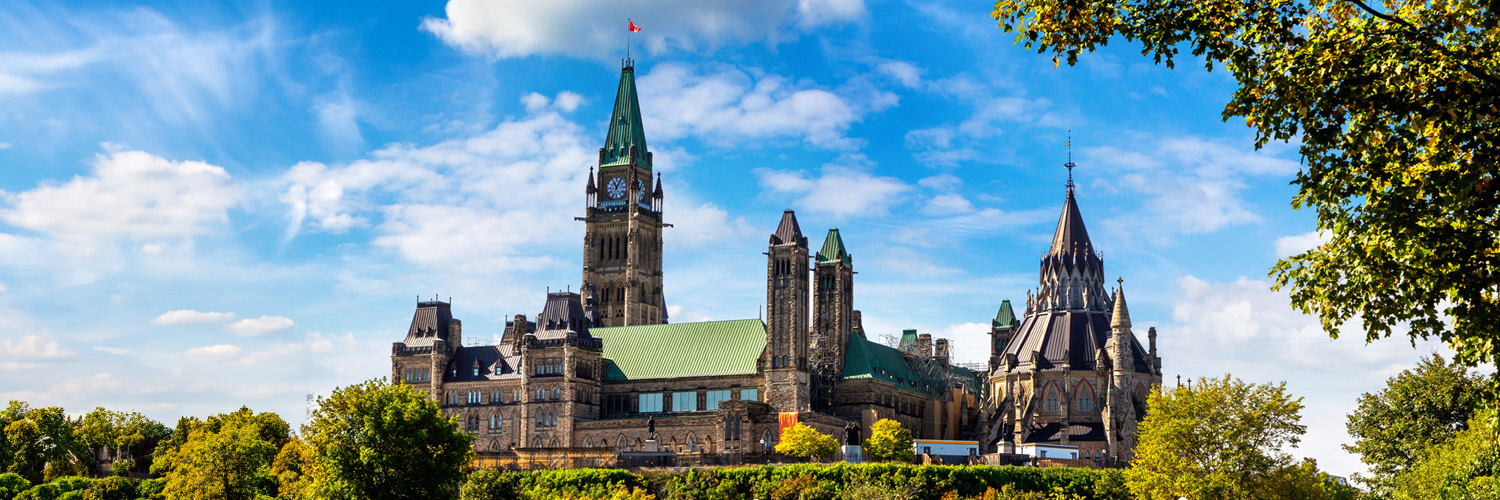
[1120,320]
[1071,236]
[1006,317]
[658,192]
[591,188]
[833,249]
[625,129]
[788,233]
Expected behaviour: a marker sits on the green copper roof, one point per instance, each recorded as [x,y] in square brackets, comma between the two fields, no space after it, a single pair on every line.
[625,126]
[870,360]
[1005,317]
[707,349]
[908,341]
[833,249]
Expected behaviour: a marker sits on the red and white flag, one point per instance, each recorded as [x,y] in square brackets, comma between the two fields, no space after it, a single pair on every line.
[634,28]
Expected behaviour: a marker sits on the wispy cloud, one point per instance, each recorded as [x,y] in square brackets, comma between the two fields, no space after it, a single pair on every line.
[190,317]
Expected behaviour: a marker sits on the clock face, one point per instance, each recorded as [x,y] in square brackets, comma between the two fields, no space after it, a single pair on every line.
[616,188]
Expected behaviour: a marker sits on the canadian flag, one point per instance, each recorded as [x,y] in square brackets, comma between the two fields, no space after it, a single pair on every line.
[634,28]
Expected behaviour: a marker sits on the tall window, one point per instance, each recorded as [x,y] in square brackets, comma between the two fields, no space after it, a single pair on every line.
[714,398]
[651,403]
[1083,400]
[750,394]
[685,401]
[1052,401]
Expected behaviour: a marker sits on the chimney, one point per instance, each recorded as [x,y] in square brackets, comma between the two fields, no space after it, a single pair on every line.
[924,346]
[940,351]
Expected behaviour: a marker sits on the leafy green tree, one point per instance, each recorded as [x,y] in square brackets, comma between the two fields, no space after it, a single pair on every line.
[12,484]
[1467,466]
[1396,112]
[1221,438]
[111,488]
[27,457]
[889,441]
[16,410]
[289,468]
[225,457]
[123,436]
[803,441]
[376,440]
[1418,408]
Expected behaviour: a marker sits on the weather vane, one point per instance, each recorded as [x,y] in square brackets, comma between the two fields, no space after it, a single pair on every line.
[1070,164]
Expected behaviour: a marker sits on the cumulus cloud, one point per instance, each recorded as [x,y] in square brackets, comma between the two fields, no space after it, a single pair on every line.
[130,194]
[252,327]
[220,352]
[700,225]
[837,189]
[592,28]
[190,317]
[32,348]
[1287,246]
[947,204]
[730,104]
[1191,184]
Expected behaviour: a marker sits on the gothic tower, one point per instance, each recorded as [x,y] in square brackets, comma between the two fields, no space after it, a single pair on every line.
[833,315]
[622,240]
[786,317]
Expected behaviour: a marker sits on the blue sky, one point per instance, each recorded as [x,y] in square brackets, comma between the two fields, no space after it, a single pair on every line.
[203,207]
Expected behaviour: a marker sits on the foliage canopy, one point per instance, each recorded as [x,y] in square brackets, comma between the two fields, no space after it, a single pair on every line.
[1418,409]
[803,441]
[889,441]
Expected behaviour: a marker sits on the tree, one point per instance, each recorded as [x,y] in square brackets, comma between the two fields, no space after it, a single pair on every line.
[1418,408]
[802,441]
[1221,438]
[123,436]
[27,457]
[376,440]
[290,470]
[12,484]
[889,441]
[223,457]
[1396,111]
[1467,466]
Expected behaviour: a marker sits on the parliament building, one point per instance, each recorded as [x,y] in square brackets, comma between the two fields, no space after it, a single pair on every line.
[596,368]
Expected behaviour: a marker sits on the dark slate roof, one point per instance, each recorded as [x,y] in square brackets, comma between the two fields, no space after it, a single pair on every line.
[625,128]
[1071,234]
[492,361]
[1005,317]
[706,349]
[833,249]
[563,313]
[1077,333]
[788,233]
[431,321]
[1053,432]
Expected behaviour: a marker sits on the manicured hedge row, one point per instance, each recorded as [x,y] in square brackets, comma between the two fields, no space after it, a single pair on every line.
[806,482]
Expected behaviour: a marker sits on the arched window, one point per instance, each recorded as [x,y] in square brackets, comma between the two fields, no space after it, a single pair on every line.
[1084,398]
[620,444]
[692,442]
[765,442]
[588,442]
[1051,400]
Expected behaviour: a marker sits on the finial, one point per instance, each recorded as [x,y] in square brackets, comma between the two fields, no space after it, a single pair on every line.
[1070,164]
[1121,281]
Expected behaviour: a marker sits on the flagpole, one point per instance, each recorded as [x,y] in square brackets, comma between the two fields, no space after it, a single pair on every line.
[627,39]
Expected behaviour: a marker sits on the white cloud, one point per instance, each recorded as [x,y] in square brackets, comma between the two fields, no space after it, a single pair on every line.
[1287,246]
[947,204]
[129,194]
[2,287]
[469,237]
[702,225]
[252,327]
[729,104]
[941,182]
[220,352]
[905,73]
[912,264]
[32,348]
[5,145]
[1192,185]
[837,190]
[190,317]
[339,117]
[953,143]
[593,29]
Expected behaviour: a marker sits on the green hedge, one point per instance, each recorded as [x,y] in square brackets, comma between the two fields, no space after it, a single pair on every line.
[804,482]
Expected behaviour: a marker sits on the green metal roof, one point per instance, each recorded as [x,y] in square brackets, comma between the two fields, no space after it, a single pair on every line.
[870,360]
[1006,317]
[707,349]
[625,126]
[833,249]
[908,341]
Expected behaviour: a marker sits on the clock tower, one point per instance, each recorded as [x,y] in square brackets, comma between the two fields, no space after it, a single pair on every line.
[622,239]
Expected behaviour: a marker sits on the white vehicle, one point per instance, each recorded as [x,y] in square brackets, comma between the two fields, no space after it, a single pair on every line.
[1038,450]
[946,448]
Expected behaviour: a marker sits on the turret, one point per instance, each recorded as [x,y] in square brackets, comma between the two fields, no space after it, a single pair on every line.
[786,358]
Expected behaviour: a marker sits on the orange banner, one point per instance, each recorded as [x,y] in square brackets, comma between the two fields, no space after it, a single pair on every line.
[788,419]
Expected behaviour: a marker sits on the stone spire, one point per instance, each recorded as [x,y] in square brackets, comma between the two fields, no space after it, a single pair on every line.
[626,135]
[1120,320]
[788,232]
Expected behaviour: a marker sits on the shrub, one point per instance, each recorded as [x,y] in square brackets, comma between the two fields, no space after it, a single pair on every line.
[12,484]
[111,488]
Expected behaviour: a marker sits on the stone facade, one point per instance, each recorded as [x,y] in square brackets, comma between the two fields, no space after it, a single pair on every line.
[598,367]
